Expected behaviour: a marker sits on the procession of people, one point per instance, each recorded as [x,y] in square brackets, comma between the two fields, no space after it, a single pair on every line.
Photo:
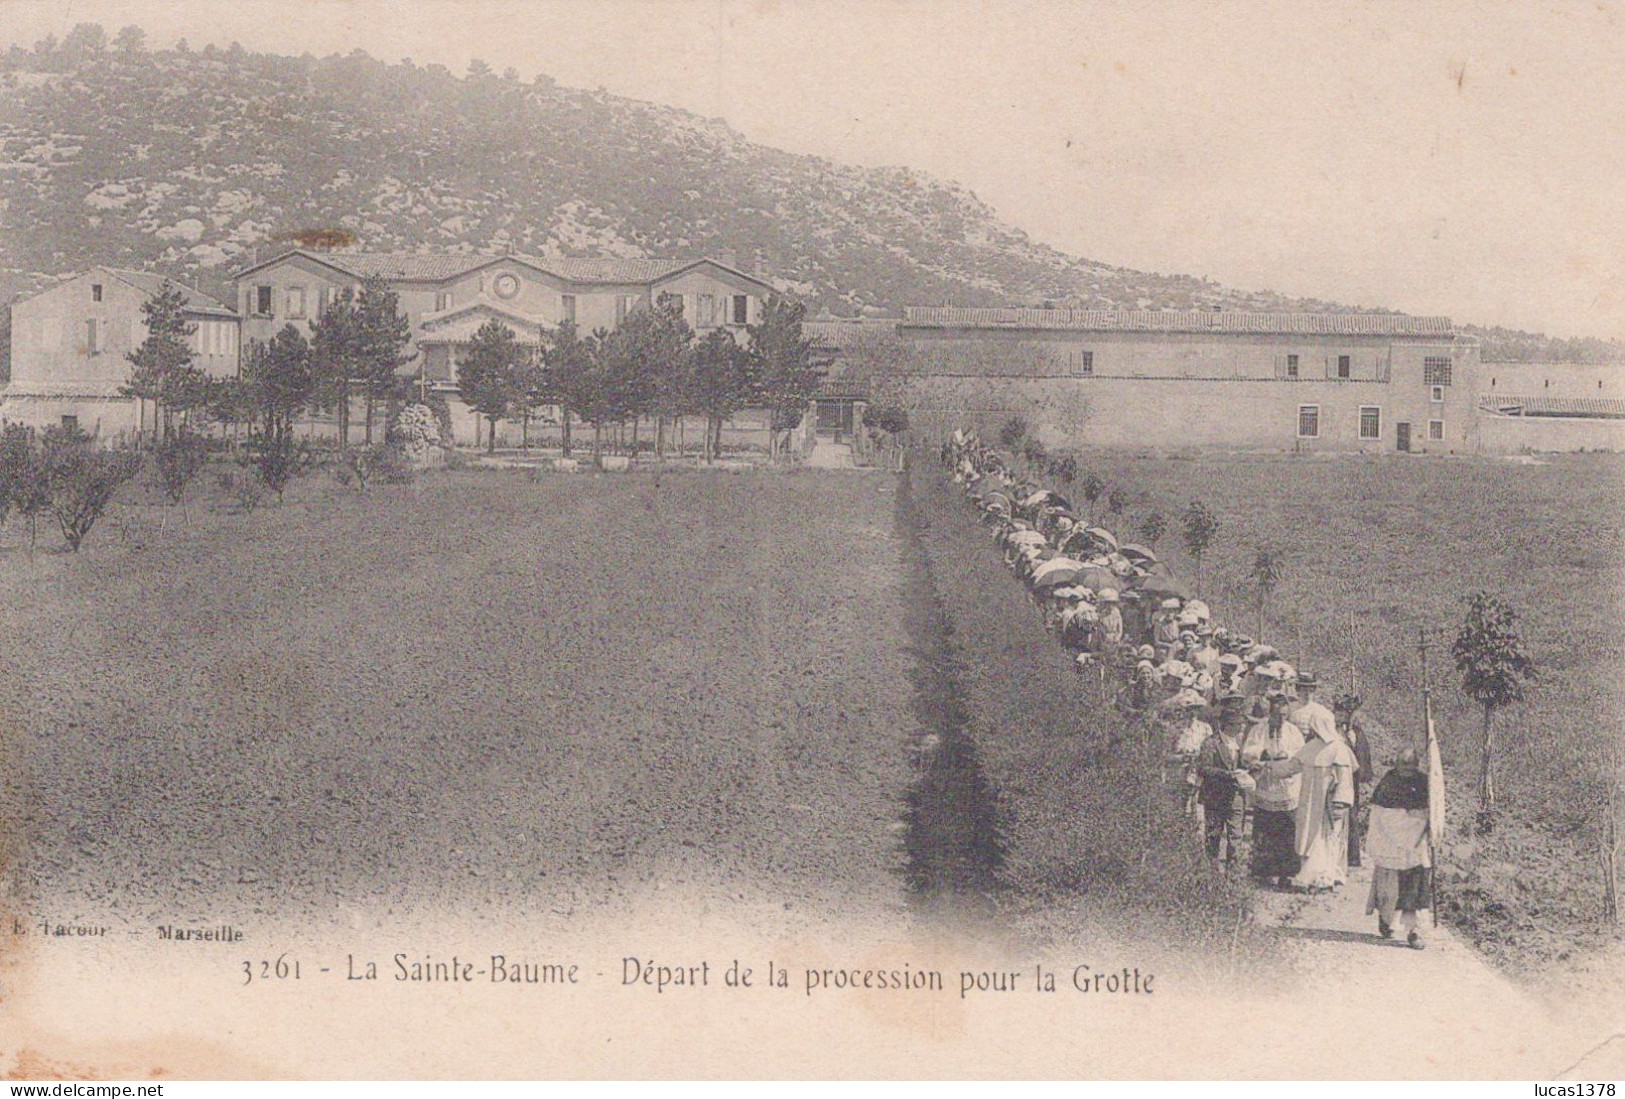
[1264,767]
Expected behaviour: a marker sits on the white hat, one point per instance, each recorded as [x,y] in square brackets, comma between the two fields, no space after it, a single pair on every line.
[1183,699]
[1107,595]
[1170,604]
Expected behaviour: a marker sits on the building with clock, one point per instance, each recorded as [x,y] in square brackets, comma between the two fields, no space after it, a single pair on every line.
[448,297]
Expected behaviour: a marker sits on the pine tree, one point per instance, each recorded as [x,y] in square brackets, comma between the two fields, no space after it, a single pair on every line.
[488,374]
[789,373]
[336,349]
[162,370]
[383,334]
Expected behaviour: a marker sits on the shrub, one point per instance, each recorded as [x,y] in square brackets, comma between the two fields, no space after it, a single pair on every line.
[244,488]
[279,460]
[1012,433]
[891,419]
[383,461]
[180,458]
[81,479]
[1153,527]
[22,478]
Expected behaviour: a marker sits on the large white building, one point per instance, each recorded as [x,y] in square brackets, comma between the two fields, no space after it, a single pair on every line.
[70,347]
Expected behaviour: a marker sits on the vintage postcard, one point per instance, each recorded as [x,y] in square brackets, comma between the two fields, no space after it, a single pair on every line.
[811,539]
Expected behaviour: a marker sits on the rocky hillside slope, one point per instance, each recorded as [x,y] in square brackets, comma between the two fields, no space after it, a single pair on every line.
[195,160]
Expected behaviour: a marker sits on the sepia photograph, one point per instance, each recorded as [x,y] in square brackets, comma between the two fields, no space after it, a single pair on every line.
[811,539]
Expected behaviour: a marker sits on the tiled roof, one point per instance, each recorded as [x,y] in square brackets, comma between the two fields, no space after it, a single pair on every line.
[414,266]
[608,269]
[1612,408]
[441,267]
[1152,320]
[151,285]
[849,332]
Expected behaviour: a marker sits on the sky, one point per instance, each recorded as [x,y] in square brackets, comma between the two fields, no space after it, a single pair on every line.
[1465,159]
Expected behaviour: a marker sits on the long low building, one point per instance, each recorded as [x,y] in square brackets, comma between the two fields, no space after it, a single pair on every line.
[1292,381]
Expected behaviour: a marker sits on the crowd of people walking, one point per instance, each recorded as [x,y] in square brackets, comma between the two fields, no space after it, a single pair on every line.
[1253,755]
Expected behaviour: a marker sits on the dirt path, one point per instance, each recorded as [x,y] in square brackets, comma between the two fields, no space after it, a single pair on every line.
[1431,1012]
[830,455]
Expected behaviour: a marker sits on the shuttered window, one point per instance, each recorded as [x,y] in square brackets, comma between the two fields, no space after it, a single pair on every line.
[1309,421]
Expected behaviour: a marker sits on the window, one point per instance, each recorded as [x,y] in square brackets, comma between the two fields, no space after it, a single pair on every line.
[262,300]
[1436,370]
[1344,367]
[296,303]
[567,308]
[442,301]
[1436,394]
[91,347]
[1370,422]
[705,310]
[1436,430]
[1309,421]
[1292,366]
[741,308]
[95,291]
[1083,362]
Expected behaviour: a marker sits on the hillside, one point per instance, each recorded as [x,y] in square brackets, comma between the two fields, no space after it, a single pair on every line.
[191,161]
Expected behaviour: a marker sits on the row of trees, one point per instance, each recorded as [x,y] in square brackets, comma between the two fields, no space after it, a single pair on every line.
[355,350]
[650,367]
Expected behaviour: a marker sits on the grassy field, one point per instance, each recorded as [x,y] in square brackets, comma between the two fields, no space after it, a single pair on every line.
[1394,545]
[477,689]
[1082,830]
[488,688]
